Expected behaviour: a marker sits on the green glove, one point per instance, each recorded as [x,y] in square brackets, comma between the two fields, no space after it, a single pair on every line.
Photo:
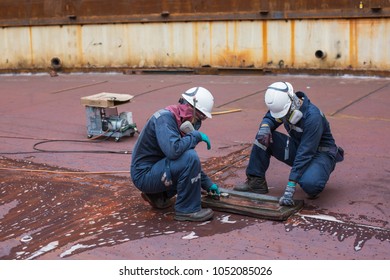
[206,139]
[214,189]
[287,198]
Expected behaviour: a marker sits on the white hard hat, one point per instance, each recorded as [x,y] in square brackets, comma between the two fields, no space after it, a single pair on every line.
[278,99]
[204,100]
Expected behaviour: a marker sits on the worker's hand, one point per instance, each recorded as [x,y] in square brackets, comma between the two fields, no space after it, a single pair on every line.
[264,136]
[206,139]
[287,198]
[214,189]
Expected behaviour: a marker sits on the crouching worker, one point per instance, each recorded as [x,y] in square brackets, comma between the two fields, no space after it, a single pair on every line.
[309,148]
[165,163]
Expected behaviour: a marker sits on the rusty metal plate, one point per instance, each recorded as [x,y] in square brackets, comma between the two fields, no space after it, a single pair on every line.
[54,12]
[251,204]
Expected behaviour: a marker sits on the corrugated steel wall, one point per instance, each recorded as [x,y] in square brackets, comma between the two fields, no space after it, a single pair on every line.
[271,35]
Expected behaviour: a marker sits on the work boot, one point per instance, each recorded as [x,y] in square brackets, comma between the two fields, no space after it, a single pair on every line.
[157,200]
[253,184]
[202,215]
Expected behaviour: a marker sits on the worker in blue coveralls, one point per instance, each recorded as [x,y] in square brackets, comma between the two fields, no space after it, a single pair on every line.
[309,148]
[165,163]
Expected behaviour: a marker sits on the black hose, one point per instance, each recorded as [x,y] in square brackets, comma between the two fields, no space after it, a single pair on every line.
[75,151]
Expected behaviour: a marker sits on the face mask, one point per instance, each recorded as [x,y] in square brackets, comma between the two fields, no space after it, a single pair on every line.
[294,116]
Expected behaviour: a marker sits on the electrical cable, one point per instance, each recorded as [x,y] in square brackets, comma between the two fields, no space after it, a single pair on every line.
[44,141]
[223,168]
[62,172]
[75,151]
[40,150]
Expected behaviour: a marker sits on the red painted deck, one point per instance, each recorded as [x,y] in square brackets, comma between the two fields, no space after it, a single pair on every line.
[102,216]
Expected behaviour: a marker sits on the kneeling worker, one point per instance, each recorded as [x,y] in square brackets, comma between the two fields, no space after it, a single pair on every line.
[309,148]
[164,160]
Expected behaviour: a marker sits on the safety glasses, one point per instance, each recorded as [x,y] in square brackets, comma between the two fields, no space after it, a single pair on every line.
[200,115]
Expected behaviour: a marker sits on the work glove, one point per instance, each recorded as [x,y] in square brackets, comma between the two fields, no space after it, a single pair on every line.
[287,198]
[264,135]
[206,139]
[214,189]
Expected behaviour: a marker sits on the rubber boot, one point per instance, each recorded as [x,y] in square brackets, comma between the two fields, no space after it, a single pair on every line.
[253,184]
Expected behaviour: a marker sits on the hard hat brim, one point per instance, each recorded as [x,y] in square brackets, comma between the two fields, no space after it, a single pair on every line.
[208,115]
[280,114]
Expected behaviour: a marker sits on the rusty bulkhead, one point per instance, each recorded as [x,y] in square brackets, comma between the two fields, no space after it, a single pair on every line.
[196,36]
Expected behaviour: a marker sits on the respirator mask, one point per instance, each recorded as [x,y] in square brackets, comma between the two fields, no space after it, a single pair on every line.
[294,115]
[187,126]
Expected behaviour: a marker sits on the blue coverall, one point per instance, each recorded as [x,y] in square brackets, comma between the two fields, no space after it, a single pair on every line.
[163,160]
[309,149]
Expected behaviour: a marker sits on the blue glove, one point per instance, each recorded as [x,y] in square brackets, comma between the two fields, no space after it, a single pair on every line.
[206,139]
[264,136]
[214,189]
[287,198]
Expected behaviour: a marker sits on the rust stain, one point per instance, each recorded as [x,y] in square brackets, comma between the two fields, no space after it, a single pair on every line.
[353,43]
[196,46]
[292,26]
[81,212]
[231,58]
[265,42]
[31,45]
[211,43]
[79,36]
[74,213]
[42,12]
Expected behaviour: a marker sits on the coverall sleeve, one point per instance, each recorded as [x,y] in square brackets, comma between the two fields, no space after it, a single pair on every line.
[170,140]
[206,182]
[308,146]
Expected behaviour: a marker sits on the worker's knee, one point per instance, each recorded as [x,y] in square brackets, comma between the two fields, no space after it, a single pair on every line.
[312,187]
[191,158]
[316,176]
[187,163]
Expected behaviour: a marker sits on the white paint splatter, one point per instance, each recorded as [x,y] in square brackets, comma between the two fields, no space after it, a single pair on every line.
[333,219]
[192,235]
[47,248]
[204,223]
[359,246]
[321,217]
[74,248]
[225,220]
[124,240]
